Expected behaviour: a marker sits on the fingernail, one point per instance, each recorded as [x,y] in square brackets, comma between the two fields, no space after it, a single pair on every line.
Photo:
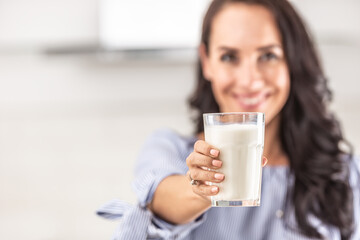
[219,176]
[214,189]
[265,160]
[216,163]
[214,152]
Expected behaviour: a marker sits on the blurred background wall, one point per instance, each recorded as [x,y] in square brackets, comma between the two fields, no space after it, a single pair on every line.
[73,117]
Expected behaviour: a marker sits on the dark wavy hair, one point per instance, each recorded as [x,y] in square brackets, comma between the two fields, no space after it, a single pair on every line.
[310,134]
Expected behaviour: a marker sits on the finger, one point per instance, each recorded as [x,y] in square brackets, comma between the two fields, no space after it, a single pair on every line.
[264,161]
[188,175]
[205,190]
[204,175]
[203,147]
[200,160]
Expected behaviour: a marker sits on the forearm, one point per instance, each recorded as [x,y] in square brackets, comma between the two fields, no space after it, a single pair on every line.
[175,202]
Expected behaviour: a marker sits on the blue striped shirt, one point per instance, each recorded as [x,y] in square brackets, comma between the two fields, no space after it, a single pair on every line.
[164,154]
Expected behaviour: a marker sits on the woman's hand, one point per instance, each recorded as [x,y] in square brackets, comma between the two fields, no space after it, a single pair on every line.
[203,166]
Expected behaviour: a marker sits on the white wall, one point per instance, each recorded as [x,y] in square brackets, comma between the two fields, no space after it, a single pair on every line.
[71,126]
[70,131]
[38,22]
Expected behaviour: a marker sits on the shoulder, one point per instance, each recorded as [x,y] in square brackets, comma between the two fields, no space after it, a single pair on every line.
[168,137]
[355,173]
[355,185]
[164,133]
[167,144]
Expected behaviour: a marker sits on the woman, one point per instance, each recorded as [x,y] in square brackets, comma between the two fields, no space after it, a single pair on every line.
[255,56]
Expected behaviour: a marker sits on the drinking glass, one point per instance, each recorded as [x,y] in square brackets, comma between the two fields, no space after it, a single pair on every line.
[240,139]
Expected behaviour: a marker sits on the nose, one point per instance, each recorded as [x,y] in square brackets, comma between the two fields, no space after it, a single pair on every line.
[248,76]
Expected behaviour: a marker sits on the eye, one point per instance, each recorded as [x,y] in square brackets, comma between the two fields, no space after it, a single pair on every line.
[229,57]
[268,56]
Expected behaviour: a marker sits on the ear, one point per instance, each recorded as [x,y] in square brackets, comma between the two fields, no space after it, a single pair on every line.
[205,62]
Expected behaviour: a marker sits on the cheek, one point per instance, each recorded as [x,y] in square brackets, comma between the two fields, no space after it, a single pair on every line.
[280,83]
[283,83]
[222,78]
[279,78]
[221,83]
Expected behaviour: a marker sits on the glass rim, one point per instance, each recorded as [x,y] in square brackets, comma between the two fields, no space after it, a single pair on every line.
[233,113]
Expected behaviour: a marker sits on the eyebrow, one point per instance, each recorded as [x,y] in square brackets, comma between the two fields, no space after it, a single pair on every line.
[269,47]
[225,48]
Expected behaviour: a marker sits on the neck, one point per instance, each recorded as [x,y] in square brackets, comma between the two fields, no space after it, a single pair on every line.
[273,148]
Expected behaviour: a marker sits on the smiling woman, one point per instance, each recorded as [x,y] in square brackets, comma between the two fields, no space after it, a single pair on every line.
[245,61]
[254,56]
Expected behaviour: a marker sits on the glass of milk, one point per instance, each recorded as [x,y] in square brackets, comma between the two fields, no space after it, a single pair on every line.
[240,139]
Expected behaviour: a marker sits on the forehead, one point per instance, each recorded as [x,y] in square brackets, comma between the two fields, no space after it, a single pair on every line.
[245,26]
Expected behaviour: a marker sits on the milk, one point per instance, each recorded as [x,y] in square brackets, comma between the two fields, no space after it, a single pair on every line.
[241,147]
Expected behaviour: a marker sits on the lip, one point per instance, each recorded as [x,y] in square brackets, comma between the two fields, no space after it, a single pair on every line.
[251,101]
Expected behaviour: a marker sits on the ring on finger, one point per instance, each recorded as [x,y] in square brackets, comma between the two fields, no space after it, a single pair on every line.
[193,181]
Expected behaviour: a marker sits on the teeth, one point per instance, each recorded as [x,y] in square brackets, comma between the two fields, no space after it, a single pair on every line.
[251,101]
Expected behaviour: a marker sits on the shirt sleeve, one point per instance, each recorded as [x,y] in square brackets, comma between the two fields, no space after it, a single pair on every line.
[140,223]
[163,154]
